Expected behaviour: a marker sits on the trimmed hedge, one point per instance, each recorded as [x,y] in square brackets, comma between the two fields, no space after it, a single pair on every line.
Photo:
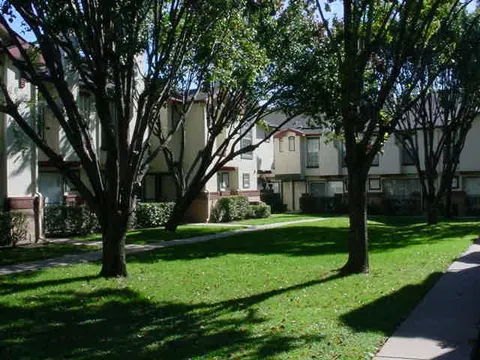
[13,228]
[69,220]
[317,205]
[78,220]
[230,208]
[259,211]
[150,215]
[274,200]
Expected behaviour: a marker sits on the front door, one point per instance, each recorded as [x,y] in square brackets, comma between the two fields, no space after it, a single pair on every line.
[51,187]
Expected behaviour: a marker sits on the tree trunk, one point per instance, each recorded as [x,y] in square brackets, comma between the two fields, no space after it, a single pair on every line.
[113,239]
[432,210]
[358,236]
[181,206]
[448,202]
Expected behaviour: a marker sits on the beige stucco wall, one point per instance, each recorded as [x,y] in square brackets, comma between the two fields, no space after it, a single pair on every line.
[288,162]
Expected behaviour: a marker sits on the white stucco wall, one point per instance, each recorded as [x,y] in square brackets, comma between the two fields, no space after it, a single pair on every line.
[19,168]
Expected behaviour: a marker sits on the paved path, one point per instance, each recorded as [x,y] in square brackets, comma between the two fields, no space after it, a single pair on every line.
[134,248]
[444,325]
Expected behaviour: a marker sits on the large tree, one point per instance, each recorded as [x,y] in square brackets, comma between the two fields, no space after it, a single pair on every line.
[243,82]
[376,46]
[434,131]
[128,55]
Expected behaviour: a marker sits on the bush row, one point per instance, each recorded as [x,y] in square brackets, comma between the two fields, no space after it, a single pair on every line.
[13,228]
[69,220]
[230,208]
[75,220]
[150,215]
[274,200]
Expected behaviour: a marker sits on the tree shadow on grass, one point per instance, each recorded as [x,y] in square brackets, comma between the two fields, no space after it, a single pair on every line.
[310,240]
[387,312]
[123,324]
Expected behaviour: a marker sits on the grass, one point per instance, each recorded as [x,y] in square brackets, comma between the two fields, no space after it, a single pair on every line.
[271,294]
[9,256]
[279,218]
[146,236]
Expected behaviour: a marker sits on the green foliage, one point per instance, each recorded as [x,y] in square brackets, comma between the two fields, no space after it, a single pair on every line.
[151,215]
[274,200]
[13,228]
[259,211]
[69,220]
[230,208]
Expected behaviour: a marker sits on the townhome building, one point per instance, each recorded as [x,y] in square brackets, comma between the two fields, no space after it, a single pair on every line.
[308,162]
[18,156]
[237,177]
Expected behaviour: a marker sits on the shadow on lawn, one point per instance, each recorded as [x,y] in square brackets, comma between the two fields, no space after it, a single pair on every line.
[122,324]
[311,240]
[383,314]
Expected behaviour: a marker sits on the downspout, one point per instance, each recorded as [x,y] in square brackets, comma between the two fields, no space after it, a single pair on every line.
[293,195]
[37,196]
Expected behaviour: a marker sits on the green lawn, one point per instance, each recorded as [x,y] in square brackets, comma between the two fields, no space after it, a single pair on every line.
[21,254]
[145,236]
[272,294]
[279,218]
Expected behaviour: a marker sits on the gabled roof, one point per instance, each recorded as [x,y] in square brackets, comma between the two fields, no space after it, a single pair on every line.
[299,125]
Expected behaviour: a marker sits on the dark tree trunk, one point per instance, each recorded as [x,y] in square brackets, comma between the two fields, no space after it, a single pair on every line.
[113,239]
[358,235]
[180,208]
[432,210]
[448,203]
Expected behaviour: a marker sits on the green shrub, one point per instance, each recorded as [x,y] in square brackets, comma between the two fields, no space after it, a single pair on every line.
[259,211]
[229,208]
[274,200]
[69,220]
[150,215]
[320,205]
[13,228]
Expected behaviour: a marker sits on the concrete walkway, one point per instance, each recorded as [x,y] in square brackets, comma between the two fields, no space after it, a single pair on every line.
[445,324]
[135,248]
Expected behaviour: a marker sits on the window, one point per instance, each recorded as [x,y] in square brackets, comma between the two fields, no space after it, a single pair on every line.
[376,160]
[246,181]
[280,144]
[407,159]
[318,189]
[455,182]
[291,143]
[313,146]
[401,188]
[151,188]
[223,181]
[374,184]
[246,141]
[84,105]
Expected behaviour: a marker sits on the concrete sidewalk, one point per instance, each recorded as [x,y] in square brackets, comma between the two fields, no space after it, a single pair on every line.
[67,260]
[445,324]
